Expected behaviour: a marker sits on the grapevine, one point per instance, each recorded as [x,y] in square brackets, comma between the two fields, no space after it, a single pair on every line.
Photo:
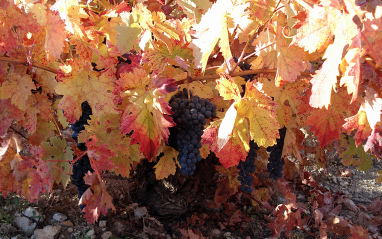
[155,74]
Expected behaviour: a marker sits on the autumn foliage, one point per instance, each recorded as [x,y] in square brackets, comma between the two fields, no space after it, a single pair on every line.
[317,67]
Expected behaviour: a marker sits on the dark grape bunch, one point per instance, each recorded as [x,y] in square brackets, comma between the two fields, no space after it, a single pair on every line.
[82,166]
[275,162]
[246,167]
[245,66]
[190,116]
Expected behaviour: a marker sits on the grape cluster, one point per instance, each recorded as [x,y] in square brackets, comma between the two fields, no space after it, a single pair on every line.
[247,167]
[82,166]
[190,116]
[275,162]
[244,66]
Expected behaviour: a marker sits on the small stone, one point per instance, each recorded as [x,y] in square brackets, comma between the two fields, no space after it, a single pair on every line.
[59,217]
[7,229]
[335,180]
[67,223]
[70,230]
[227,235]
[19,236]
[25,224]
[216,233]
[48,232]
[90,233]
[140,212]
[33,214]
[102,223]
[107,235]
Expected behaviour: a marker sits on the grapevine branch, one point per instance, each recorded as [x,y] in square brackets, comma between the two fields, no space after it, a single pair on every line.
[25,62]
[18,132]
[242,73]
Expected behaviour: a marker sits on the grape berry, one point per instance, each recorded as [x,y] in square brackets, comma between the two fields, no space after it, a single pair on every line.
[82,166]
[275,162]
[246,167]
[190,116]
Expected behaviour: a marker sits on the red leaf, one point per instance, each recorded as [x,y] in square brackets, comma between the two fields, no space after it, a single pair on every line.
[99,155]
[96,199]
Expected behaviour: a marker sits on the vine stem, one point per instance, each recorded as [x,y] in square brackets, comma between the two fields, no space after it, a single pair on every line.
[25,62]
[19,133]
[251,39]
[242,73]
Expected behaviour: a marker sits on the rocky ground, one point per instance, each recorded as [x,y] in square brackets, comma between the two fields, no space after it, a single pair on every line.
[57,215]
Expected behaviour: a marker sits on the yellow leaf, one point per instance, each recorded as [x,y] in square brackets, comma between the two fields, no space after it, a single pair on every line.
[166,164]
[262,114]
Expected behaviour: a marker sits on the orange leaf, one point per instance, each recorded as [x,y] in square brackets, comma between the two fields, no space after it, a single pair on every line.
[78,82]
[327,123]
[55,35]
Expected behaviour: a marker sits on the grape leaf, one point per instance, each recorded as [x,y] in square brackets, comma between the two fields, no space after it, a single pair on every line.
[262,10]
[99,155]
[379,178]
[211,29]
[14,18]
[293,141]
[79,83]
[60,154]
[325,79]
[372,26]
[44,130]
[355,155]
[228,88]
[289,58]
[261,112]
[237,146]
[326,123]
[231,174]
[8,112]
[39,12]
[38,105]
[55,35]
[194,8]
[360,123]
[96,198]
[199,89]
[147,113]
[107,129]
[128,32]
[166,165]
[316,32]
[17,88]
[352,71]
[9,183]
[374,142]
[372,105]
[40,180]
